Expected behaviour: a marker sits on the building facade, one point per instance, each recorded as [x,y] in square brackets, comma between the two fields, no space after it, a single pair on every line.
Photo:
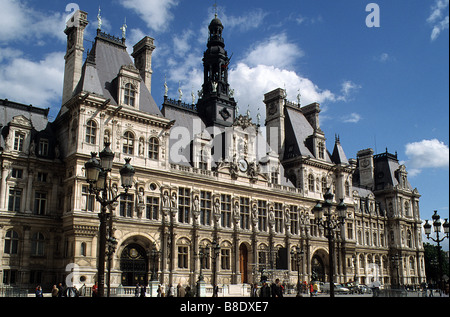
[204,174]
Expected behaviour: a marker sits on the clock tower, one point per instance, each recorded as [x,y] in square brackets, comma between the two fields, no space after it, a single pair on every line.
[216,104]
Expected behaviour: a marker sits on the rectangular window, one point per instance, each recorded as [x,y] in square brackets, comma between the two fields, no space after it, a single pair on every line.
[152,208]
[262,215]
[349,230]
[42,177]
[225,206]
[183,256]
[17,173]
[294,220]
[40,201]
[19,140]
[225,259]
[205,208]
[278,209]
[43,147]
[126,206]
[245,213]
[184,204]
[88,200]
[15,197]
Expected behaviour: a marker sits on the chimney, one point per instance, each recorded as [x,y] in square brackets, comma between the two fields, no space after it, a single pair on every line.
[275,119]
[311,113]
[74,55]
[366,168]
[142,54]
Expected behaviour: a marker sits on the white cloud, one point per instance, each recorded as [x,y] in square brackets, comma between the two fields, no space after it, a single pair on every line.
[426,154]
[438,19]
[246,22]
[33,82]
[351,118]
[275,51]
[19,21]
[155,13]
[348,88]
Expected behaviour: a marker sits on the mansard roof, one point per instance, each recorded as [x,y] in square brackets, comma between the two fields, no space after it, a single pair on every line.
[101,70]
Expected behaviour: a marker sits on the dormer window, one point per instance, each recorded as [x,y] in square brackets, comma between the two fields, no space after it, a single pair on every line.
[129,95]
[321,150]
[19,140]
[129,80]
[43,147]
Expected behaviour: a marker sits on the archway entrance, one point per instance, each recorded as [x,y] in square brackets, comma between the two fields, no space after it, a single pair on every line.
[134,265]
[243,263]
[317,269]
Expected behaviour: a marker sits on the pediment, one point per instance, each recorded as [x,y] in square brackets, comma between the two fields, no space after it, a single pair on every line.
[21,121]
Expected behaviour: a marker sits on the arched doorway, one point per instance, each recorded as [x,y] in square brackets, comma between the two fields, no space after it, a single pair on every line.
[134,265]
[317,269]
[243,263]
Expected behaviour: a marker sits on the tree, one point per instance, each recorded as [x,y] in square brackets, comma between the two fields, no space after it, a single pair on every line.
[432,263]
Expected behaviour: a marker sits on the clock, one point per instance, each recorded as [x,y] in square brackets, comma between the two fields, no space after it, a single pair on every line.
[243,165]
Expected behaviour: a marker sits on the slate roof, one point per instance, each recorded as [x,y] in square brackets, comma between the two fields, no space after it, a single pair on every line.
[101,69]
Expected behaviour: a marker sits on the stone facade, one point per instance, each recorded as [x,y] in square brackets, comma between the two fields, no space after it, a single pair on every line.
[198,180]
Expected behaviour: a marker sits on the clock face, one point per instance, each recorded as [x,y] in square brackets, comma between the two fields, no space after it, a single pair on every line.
[243,165]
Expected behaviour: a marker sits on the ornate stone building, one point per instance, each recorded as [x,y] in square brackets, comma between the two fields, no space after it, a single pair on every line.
[204,174]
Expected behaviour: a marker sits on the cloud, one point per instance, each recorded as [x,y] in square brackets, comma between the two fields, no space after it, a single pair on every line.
[33,82]
[426,154]
[438,19]
[155,13]
[275,51]
[351,118]
[18,21]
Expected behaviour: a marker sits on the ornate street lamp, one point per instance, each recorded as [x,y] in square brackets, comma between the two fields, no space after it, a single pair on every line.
[297,256]
[331,223]
[97,176]
[216,252]
[437,229]
[155,258]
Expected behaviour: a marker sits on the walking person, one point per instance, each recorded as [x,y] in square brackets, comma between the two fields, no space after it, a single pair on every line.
[137,290]
[39,292]
[95,290]
[55,291]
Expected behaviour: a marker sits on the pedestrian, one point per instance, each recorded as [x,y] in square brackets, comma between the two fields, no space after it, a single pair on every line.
[265,290]
[60,290]
[143,291]
[163,291]
[171,291]
[55,291]
[39,292]
[315,288]
[158,291]
[137,290]
[180,291]
[254,291]
[188,292]
[277,291]
[95,290]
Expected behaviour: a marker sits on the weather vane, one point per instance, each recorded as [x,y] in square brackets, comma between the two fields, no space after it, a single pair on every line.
[215,8]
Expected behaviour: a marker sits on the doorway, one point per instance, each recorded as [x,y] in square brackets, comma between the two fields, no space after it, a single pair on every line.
[134,265]
[317,269]
[243,263]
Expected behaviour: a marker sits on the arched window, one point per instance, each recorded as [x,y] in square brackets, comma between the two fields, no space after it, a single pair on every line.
[83,249]
[311,182]
[11,242]
[324,185]
[128,143]
[409,239]
[129,98]
[153,151]
[91,132]
[37,244]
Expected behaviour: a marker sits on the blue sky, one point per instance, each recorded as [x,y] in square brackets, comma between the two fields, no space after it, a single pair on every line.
[379,87]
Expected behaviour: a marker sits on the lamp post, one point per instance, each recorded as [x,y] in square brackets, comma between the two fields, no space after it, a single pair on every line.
[155,258]
[297,255]
[437,229]
[331,223]
[203,254]
[216,251]
[97,176]
[395,260]
[111,244]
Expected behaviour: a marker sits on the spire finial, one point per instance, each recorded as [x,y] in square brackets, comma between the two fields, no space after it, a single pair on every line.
[215,9]
[124,29]
[99,19]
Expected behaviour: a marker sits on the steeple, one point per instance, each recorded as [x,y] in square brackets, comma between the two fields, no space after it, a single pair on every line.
[216,104]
